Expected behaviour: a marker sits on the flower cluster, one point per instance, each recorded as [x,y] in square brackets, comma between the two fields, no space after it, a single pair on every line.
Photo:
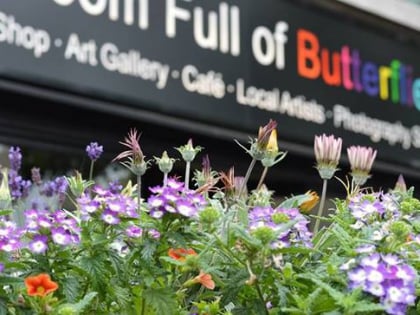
[111,206]
[369,208]
[388,278]
[94,151]
[277,220]
[41,227]
[174,198]
[18,186]
[10,236]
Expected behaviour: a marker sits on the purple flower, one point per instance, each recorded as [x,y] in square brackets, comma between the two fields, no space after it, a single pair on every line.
[15,158]
[186,208]
[154,233]
[60,236]
[36,176]
[94,151]
[39,244]
[10,245]
[115,187]
[58,186]
[134,231]
[388,278]
[276,220]
[110,217]
[174,198]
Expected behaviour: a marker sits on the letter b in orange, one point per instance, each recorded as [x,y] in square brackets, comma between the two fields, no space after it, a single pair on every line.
[309,65]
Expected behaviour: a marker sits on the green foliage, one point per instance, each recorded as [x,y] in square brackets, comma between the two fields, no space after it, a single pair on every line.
[237,255]
[161,300]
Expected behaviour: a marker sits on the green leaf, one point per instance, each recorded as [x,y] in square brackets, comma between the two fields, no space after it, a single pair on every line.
[79,307]
[71,288]
[292,310]
[335,294]
[83,303]
[162,300]
[5,212]
[366,307]
[295,201]
[9,280]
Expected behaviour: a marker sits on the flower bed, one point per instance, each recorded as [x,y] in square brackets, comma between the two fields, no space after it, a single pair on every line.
[209,247]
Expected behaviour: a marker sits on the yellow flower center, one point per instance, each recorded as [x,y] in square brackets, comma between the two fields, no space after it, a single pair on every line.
[40,290]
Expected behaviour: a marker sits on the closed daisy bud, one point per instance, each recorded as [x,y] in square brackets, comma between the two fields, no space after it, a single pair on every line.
[361,160]
[327,154]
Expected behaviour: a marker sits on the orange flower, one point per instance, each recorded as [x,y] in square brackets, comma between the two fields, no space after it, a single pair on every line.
[40,285]
[205,280]
[310,202]
[180,254]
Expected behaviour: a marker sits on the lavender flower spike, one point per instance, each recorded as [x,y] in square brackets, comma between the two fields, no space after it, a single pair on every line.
[327,154]
[361,160]
[94,151]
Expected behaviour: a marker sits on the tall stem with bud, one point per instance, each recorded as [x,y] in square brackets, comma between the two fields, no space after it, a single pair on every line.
[327,154]
[188,153]
[135,162]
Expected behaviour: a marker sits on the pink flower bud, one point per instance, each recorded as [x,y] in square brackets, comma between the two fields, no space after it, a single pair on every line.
[327,154]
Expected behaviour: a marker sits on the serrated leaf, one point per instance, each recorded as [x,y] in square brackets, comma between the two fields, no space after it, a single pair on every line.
[171,261]
[80,306]
[335,294]
[162,300]
[83,303]
[366,307]
[71,288]
[9,280]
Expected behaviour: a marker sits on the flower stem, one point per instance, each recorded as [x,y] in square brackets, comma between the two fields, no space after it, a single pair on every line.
[139,193]
[91,175]
[165,179]
[247,175]
[321,205]
[263,175]
[187,175]
[257,286]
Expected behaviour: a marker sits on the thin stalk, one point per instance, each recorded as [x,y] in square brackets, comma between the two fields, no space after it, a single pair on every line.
[165,179]
[139,193]
[92,162]
[263,175]
[257,286]
[321,205]
[247,175]
[187,175]
[143,308]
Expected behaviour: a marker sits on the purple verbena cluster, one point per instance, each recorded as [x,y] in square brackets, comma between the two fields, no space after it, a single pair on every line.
[110,206]
[41,227]
[388,278]
[94,150]
[298,234]
[17,185]
[174,198]
[57,186]
[10,236]
[373,207]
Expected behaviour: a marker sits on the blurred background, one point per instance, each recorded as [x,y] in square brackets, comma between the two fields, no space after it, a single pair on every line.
[72,72]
